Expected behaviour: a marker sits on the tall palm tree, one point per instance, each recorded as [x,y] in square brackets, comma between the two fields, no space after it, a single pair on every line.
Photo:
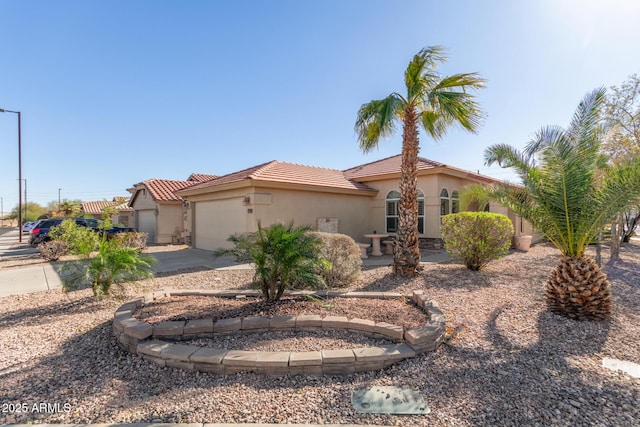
[434,102]
[569,192]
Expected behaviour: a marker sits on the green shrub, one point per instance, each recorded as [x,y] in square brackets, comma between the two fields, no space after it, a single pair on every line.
[343,256]
[283,255]
[53,249]
[113,264]
[80,240]
[476,238]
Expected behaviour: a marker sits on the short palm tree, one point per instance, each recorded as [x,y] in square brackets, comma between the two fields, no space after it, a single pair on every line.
[282,254]
[434,102]
[569,193]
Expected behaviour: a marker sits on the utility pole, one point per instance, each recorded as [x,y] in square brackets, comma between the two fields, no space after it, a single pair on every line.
[25,201]
[59,190]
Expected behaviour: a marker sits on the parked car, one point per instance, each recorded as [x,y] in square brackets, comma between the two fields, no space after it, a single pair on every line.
[28,226]
[40,233]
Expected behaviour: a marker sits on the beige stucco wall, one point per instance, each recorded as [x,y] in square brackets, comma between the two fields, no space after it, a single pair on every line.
[169,220]
[357,215]
[305,207]
[430,185]
[241,208]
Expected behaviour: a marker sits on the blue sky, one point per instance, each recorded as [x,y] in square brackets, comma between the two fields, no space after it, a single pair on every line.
[116,92]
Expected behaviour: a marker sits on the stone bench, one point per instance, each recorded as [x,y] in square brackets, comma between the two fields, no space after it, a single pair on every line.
[388,250]
[363,250]
[160,343]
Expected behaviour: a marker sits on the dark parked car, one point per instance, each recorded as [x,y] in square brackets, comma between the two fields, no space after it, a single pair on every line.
[40,233]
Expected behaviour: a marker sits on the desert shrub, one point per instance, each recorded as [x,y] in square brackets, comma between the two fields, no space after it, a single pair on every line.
[53,249]
[476,238]
[343,256]
[283,255]
[131,239]
[79,239]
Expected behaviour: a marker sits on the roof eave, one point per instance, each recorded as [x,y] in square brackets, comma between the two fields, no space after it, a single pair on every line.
[213,188]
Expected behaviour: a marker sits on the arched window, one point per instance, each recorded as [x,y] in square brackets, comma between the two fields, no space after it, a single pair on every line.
[391,211]
[444,202]
[455,202]
[392,201]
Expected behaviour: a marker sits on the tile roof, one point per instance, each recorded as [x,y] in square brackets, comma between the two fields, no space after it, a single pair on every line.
[289,173]
[96,207]
[389,165]
[201,177]
[164,189]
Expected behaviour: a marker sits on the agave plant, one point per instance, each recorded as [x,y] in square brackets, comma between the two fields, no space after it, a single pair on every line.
[569,192]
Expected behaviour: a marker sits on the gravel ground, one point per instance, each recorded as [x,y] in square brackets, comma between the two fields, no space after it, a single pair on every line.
[508,361]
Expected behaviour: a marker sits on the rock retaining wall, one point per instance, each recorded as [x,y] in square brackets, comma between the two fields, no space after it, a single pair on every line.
[160,343]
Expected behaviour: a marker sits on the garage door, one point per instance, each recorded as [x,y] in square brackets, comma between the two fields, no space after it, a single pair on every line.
[215,221]
[147,224]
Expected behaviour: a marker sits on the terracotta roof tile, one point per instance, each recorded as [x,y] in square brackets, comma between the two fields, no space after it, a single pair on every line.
[389,165]
[291,173]
[96,207]
[164,189]
[201,177]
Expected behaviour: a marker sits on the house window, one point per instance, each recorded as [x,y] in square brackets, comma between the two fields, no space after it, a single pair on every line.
[393,199]
[455,202]
[391,213]
[420,212]
[444,202]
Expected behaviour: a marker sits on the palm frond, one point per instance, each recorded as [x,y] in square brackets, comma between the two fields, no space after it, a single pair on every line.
[507,157]
[422,69]
[587,118]
[452,102]
[568,192]
[376,120]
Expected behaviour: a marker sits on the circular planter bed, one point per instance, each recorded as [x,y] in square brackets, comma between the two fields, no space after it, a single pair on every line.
[163,343]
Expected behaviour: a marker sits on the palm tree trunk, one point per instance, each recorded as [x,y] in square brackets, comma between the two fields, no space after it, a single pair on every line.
[406,254]
[616,236]
[578,289]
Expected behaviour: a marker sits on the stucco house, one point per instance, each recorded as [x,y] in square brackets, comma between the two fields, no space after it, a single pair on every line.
[123,213]
[356,201]
[159,211]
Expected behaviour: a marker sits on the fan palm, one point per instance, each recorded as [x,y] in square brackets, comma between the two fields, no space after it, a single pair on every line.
[569,193]
[434,102]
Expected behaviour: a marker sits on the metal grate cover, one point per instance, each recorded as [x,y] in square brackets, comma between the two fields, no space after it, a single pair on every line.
[389,400]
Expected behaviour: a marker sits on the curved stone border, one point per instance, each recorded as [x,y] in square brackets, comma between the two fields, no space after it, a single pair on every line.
[143,339]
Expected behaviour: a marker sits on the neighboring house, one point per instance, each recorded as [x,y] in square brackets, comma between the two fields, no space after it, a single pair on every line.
[159,211]
[357,201]
[123,213]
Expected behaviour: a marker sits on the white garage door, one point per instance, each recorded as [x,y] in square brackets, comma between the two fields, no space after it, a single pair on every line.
[216,221]
[147,224]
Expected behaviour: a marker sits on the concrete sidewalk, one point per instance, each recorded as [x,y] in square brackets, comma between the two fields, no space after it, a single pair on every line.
[24,280]
[28,279]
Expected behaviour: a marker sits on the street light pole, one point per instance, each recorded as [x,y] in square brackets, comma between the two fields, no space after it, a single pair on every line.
[26,204]
[2,110]
[59,190]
